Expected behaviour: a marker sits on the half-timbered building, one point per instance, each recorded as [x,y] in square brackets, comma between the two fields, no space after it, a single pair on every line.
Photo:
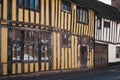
[107,32]
[114,55]
[107,19]
[45,35]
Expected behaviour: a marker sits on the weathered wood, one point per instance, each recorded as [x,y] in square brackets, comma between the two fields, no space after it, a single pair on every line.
[101,54]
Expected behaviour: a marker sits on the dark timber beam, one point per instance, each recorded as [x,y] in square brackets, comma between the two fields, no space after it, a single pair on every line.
[9,15]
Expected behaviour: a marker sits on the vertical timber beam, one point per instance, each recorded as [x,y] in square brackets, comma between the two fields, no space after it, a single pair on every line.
[9,37]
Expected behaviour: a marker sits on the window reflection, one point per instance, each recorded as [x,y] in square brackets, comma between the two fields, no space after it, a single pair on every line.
[37,4]
[65,5]
[32,4]
[16,46]
[20,2]
[26,3]
[31,46]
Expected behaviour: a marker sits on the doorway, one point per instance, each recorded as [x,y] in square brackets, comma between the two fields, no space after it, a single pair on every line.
[83,56]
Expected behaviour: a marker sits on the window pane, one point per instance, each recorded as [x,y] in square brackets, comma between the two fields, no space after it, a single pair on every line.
[99,23]
[26,52]
[31,36]
[35,52]
[20,2]
[106,24]
[16,46]
[16,35]
[31,55]
[84,16]
[37,4]
[62,5]
[68,6]
[65,5]
[45,40]
[26,36]
[81,13]
[78,15]
[32,4]
[117,52]
[26,3]
[16,51]
[35,37]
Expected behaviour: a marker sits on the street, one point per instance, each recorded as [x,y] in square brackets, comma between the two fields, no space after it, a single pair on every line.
[107,75]
[110,73]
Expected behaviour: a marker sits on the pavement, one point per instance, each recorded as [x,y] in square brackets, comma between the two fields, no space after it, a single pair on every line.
[107,73]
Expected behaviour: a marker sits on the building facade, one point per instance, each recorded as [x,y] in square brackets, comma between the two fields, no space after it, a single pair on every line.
[45,35]
[107,37]
[114,49]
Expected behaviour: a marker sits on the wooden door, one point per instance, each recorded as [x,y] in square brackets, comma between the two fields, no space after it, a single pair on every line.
[101,54]
[83,56]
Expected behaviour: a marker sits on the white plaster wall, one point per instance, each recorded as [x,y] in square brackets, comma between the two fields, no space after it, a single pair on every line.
[112,53]
[107,34]
[118,33]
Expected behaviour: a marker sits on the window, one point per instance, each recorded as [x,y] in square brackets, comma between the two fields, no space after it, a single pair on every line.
[37,2]
[98,23]
[45,46]
[65,5]
[30,46]
[26,3]
[65,40]
[106,24]
[16,46]
[117,52]
[82,15]
[32,4]
[20,2]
